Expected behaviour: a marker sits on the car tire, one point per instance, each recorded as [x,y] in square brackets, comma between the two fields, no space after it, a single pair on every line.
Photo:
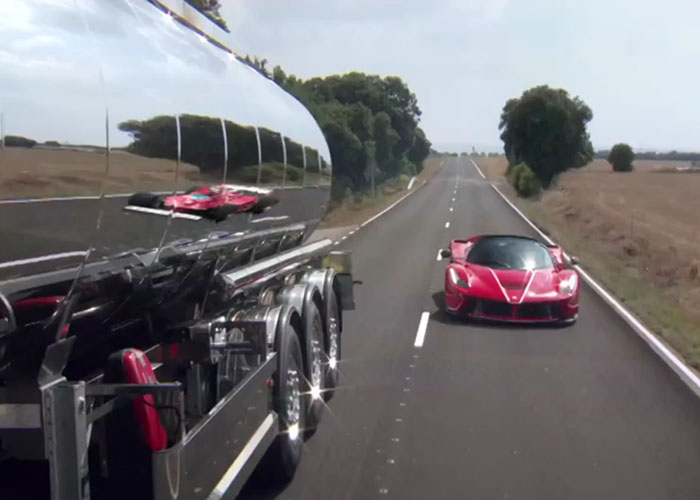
[146,200]
[220,214]
[280,462]
[332,341]
[263,203]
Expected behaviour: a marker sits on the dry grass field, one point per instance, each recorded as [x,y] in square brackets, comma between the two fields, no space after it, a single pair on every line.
[39,172]
[639,233]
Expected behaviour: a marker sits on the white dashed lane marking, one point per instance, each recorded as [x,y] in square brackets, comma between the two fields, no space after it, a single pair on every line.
[422,327]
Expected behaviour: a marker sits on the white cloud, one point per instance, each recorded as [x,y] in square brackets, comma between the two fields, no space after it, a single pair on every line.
[635,62]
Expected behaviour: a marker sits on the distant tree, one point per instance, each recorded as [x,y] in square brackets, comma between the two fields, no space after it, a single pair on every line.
[356,110]
[18,141]
[621,157]
[546,128]
[386,139]
[52,143]
[419,149]
[278,75]
[210,8]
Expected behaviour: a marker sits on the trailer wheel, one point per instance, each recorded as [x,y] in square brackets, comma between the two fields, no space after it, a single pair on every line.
[333,344]
[281,460]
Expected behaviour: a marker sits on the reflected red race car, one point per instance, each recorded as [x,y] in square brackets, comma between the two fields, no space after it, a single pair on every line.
[511,278]
[213,202]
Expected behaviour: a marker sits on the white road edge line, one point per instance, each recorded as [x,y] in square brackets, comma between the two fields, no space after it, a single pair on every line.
[245,454]
[686,374]
[265,219]
[44,258]
[422,327]
[477,169]
[164,213]
[447,224]
[376,216]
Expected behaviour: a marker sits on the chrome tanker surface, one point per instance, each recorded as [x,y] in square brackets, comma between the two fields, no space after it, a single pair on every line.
[109,108]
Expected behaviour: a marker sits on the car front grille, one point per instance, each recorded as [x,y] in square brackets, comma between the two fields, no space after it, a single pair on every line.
[492,308]
[541,310]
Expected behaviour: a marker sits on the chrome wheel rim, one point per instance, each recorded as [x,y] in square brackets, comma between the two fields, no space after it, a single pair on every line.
[316,365]
[293,406]
[332,342]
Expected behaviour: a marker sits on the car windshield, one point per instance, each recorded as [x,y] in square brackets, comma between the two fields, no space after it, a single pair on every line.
[510,253]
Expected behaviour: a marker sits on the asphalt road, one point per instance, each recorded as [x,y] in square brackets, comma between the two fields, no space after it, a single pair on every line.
[488,412]
[38,229]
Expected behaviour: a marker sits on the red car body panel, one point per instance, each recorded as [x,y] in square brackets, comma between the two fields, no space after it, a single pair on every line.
[510,295]
[209,198]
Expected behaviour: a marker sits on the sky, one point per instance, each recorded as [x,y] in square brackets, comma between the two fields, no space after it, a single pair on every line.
[636,63]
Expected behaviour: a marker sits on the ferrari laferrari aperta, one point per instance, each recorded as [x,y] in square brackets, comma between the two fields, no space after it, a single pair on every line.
[512,279]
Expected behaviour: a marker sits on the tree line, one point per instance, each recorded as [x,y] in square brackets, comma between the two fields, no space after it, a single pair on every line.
[544,133]
[211,9]
[656,155]
[202,140]
[369,122]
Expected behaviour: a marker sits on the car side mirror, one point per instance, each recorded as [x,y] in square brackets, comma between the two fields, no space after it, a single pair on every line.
[445,253]
[574,260]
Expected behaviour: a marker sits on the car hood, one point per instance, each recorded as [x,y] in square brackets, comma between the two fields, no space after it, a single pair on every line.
[515,286]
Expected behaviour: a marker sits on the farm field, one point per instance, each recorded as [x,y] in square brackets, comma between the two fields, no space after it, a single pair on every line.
[638,233]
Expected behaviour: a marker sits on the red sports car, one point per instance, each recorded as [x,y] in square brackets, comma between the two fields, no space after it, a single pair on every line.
[511,278]
[214,202]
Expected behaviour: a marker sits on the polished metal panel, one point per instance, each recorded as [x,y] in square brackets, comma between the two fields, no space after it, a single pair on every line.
[102,100]
[53,145]
[194,467]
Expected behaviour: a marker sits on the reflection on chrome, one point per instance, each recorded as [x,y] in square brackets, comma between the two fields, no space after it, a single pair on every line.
[118,99]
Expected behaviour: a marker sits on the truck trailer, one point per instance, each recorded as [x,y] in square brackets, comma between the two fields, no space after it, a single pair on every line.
[170,321]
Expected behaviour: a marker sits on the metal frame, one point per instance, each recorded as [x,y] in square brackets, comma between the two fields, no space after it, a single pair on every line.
[211,448]
[64,411]
[219,452]
[67,426]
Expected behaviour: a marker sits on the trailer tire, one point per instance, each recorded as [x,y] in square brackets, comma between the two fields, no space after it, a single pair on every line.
[281,459]
[332,343]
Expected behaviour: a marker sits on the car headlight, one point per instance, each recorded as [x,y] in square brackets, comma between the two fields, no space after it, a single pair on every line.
[567,286]
[457,279]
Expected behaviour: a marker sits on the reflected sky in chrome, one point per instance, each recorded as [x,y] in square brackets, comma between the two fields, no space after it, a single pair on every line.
[135,50]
